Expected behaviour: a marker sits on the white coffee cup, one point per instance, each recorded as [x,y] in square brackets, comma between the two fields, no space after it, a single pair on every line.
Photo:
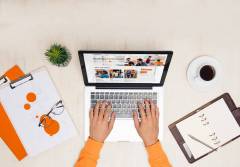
[204,73]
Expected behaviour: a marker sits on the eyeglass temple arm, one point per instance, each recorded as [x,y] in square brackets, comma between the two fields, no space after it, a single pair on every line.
[60,101]
[45,115]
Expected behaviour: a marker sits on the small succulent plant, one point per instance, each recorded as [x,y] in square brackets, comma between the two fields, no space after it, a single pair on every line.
[58,55]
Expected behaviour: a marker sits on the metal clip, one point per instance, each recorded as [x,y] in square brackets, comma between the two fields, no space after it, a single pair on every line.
[21,81]
[3,80]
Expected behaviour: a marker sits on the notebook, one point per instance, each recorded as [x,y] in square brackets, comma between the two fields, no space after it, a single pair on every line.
[37,111]
[208,128]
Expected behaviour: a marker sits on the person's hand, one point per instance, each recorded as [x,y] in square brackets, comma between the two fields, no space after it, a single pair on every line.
[101,121]
[147,127]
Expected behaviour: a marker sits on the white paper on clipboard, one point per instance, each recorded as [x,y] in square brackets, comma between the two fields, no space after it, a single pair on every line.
[34,138]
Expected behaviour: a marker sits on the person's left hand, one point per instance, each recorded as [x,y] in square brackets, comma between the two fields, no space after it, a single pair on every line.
[101,121]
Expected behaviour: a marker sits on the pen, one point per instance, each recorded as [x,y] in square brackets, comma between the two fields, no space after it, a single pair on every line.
[194,138]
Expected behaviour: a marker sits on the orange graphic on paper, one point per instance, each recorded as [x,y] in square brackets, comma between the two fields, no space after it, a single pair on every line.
[7,132]
[9,135]
[27,106]
[31,97]
[50,125]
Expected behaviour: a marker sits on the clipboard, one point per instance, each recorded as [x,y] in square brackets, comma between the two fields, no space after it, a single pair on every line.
[31,118]
[179,138]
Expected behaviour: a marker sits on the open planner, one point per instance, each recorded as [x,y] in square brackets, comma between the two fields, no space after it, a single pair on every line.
[208,128]
[32,106]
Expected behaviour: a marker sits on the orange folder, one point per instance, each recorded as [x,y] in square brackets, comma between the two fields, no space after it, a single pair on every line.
[7,131]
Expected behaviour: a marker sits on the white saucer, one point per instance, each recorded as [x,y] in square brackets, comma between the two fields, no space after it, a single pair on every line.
[195,80]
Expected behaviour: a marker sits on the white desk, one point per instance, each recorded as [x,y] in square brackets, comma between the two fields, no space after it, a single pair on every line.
[189,28]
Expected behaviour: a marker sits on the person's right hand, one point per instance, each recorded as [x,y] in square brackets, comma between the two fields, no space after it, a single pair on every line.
[147,127]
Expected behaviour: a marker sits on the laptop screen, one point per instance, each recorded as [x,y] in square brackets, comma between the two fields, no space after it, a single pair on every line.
[124,67]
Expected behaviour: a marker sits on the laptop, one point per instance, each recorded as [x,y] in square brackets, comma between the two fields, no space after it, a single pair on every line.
[124,78]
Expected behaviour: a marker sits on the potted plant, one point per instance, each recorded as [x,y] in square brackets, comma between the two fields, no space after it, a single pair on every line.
[58,55]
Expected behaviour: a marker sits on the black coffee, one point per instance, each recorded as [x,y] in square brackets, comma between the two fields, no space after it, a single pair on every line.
[207,73]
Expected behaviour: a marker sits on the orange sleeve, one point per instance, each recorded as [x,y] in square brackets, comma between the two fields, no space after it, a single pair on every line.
[89,154]
[156,156]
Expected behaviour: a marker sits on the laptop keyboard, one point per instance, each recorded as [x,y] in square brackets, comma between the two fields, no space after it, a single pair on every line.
[123,103]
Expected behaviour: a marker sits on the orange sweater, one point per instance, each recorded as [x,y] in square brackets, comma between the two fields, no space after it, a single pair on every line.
[90,154]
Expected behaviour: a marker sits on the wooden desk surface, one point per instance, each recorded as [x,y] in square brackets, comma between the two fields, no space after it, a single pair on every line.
[189,28]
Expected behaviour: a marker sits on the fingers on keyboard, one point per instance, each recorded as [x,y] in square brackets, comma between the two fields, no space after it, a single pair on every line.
[123,103]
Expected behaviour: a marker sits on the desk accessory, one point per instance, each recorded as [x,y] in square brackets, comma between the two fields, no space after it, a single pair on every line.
[36,112]
[201,132]
[58,55]
[196,139]
[204,73]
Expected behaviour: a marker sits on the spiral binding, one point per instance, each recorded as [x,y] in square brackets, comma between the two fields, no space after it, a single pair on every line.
[213,136]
